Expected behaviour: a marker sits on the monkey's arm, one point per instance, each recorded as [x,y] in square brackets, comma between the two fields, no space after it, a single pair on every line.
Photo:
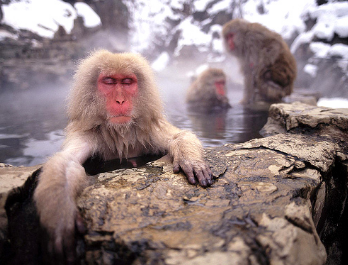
[249,88]
[61,180]
[249,92]
[187,154]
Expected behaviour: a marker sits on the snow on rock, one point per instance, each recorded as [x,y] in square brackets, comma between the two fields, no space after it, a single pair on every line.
[320,49]
[39,16]
[148,21]
[224,5]
[173,3]
[200,5]
[43,17]
[90,18]
[331,18]
[334,103]
[192,35]
[311,69]
[151,20]
[5,34]
[161,62]
[341,27]
[338,51]
[305,37]
[284,17]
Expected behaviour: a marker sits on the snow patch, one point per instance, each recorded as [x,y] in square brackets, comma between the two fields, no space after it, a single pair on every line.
[90,18]
[311,69]
[320,49]
[161,62]
[334,103]
[192,35]
[5,34]
[42,17]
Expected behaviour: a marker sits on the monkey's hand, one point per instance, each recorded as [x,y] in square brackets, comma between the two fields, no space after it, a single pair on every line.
[187,153]
[59,183]
[193,170]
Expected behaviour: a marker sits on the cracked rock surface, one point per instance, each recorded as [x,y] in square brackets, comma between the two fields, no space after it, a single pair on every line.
[276,200]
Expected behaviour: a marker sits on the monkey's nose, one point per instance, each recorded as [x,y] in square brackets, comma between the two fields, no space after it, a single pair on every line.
[120,101]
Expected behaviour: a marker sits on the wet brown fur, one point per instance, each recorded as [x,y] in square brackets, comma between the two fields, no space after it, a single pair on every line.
[88,133]
[201,95]
[268,66]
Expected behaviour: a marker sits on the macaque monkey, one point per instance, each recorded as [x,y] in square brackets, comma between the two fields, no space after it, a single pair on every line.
[208,91]
[114,112]
[267,64]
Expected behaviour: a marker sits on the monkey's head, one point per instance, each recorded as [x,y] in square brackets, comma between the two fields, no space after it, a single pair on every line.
[214,80]
[114,89]
[233,33]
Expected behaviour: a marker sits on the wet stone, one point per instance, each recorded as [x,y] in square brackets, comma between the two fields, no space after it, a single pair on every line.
[274,200]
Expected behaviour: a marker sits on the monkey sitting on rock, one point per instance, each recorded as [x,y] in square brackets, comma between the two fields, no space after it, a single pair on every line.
[266,62]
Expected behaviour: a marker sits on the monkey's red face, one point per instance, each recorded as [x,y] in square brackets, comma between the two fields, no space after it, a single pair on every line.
[119,91]
[220,88]
[229,40]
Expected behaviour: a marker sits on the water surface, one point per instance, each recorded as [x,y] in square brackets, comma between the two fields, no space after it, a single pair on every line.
[32,121]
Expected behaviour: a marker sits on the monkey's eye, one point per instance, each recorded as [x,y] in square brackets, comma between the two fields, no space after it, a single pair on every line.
[127,81]
[109,80]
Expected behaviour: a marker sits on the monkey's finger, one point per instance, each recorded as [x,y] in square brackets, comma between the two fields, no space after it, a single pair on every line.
[176,168]
[189,173]
[208,176]
[209,172]
[201,178]
[208,169]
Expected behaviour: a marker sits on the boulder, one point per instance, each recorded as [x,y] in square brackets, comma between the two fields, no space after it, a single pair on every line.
[275,200]
[306,119]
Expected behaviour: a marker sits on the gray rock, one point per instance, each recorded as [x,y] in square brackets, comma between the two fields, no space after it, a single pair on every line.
[299,117]
[275,200]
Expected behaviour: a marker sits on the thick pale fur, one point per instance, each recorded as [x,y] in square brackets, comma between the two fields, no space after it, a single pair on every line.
[202,92]
[88,134]
[268,66]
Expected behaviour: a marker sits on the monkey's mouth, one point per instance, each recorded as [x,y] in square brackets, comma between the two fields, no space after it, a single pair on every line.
[120,119]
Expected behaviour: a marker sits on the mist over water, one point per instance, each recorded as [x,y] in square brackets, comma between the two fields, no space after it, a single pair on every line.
[32,122]
[234,125]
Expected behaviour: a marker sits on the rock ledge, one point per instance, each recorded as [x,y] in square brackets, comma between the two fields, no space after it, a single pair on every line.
[275,200]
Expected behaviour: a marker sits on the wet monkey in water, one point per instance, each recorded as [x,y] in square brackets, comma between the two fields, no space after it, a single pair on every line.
[267,64]
[114,112]
[208,91]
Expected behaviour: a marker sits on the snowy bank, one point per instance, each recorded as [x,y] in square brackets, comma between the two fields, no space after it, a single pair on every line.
[43,17]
